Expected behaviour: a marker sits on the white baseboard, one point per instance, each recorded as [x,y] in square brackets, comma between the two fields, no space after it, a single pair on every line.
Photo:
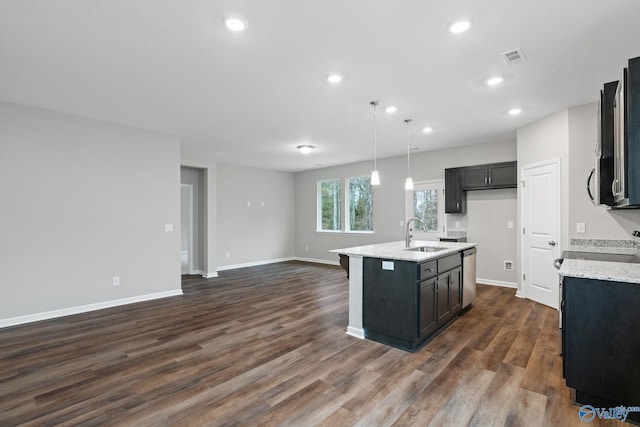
[497,283]
[20,320]
[317,261]
[519,294]
[254,264]
[355,332]
[209,275]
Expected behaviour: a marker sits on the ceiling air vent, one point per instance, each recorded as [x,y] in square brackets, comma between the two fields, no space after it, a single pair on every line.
[512,57]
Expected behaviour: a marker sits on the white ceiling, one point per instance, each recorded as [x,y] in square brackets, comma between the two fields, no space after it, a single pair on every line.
[251,98]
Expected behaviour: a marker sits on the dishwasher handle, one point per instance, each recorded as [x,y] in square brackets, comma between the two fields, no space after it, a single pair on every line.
[469,252]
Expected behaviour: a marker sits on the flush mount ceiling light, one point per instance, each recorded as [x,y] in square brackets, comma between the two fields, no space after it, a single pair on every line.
[306,148]
[408,184]
[236,24]
[375,177]
[391,109]
[515,111]
[495,80]
[334,78]
[427,129]
[459,26]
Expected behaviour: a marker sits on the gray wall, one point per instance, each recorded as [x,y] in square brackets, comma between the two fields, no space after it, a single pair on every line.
[256,215]
[601,223]
[84,201]
[389,204]
[570,135]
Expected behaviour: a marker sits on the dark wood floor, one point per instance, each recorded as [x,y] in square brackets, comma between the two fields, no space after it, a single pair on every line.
[267,345]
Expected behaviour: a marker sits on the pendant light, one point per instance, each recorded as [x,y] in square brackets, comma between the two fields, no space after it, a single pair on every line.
[408,184]
[375,177]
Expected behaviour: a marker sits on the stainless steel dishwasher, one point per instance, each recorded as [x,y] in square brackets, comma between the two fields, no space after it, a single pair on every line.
[468,276]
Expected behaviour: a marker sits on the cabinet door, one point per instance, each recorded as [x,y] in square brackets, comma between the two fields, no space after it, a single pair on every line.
[474,177]
[442,297]
[389,299]
[428,310]
[453,191]
[503,175]
[455,290]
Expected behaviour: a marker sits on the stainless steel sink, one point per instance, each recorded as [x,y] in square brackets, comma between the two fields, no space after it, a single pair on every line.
[426,249]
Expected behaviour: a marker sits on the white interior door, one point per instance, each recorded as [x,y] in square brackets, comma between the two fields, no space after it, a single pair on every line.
[541,231]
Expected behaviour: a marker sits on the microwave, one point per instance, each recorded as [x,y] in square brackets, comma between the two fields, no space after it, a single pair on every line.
[617,167]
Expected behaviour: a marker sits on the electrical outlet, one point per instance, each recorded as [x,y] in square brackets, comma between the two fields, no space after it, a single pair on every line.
[116,281]
[228,254]
[581,227]
[401,223]
[168,228]
[306,248]
[457,224]
[509,224]
[508,265]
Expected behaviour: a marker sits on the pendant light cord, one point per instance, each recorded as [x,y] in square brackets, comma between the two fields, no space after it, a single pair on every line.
[407,121]
[375,136]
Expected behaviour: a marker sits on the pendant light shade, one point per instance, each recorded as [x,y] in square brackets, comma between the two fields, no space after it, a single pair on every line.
[375,177]
[408,184]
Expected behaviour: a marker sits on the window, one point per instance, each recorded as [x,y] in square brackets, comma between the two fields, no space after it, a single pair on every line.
[329,205]
[426,202]
[359,216]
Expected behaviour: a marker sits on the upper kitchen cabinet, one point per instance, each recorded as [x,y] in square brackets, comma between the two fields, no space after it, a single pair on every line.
[453,200]
[494,175]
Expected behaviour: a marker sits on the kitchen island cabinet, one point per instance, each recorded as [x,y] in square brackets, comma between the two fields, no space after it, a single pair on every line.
[405,302]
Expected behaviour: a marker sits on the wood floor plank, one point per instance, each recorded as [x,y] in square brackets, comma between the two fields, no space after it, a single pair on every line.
[267,346]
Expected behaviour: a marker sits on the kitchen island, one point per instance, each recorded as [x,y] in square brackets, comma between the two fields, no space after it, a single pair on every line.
[394,290]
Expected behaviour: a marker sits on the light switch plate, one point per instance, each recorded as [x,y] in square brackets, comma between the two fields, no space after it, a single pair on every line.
[168,228]
[581,227]
[509,224]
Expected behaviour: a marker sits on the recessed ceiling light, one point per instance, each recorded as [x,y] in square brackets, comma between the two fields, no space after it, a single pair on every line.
[306,148]
[496,80]
[391,109]
[427,129]
[515,111]
[459,26]
[235,24]
[334,78]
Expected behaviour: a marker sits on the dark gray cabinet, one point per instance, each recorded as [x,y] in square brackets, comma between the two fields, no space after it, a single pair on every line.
[404,303]
[453,200]
[480,177]
[601,344]
[495,175]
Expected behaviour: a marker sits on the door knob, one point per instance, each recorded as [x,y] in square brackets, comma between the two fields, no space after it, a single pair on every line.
[552,243]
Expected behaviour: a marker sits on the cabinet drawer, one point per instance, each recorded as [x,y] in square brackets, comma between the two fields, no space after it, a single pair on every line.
[449,262]
[428,269]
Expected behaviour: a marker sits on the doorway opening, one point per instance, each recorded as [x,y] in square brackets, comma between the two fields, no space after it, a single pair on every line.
[193,235]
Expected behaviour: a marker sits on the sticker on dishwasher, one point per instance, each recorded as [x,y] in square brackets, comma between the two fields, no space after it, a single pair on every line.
[388,265]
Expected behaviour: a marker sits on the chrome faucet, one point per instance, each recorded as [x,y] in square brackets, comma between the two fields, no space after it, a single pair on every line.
[407,234]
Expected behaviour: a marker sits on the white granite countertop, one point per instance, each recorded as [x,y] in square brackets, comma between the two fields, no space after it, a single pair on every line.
[397,250]
[602,270]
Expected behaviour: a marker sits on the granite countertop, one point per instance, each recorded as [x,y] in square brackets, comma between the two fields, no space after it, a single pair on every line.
[397,250]
[602,270]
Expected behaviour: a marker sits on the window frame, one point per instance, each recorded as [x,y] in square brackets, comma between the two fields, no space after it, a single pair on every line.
[442,219]
[319,228]
[347,204]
